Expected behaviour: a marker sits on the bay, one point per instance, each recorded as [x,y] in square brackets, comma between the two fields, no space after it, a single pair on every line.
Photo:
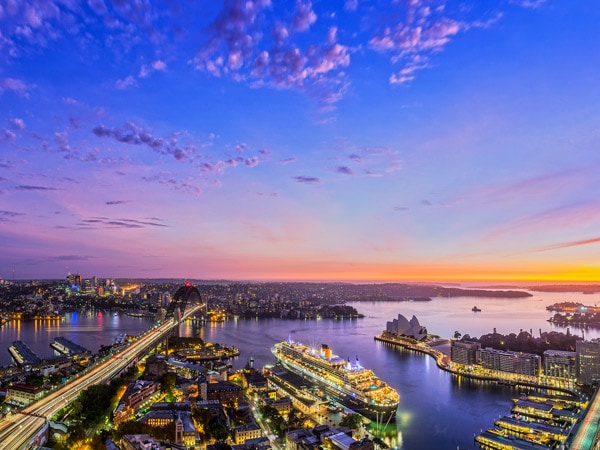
[89,329]
[437,410]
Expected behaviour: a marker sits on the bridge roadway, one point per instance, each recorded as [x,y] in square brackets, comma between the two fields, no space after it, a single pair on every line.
[19,429]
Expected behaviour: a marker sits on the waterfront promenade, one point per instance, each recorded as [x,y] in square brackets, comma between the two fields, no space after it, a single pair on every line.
[442,359]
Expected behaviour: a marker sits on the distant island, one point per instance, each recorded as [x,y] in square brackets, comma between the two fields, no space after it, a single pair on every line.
[575,314]
[417,292]
[583,288]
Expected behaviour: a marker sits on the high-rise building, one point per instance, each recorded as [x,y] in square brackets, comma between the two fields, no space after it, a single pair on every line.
[464,352]
[513,362]
[560,364]
[74,279]
[588,361]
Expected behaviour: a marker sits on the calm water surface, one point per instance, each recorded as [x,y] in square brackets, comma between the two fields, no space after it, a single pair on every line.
[90,330]
[437,410]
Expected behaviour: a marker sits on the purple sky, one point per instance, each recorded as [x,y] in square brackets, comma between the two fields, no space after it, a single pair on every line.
[356,140]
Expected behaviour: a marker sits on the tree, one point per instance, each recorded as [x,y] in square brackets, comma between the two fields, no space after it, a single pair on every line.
[166,433]
[219,432]
[353,421]
[457,334]
[132,427]
[167,383]
[294,420]
[202,417]
[35,380]
[76,434]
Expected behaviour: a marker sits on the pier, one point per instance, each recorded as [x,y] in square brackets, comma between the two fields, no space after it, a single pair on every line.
[66,347]
[22,354]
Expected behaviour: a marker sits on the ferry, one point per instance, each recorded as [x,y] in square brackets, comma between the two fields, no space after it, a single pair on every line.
[346,382]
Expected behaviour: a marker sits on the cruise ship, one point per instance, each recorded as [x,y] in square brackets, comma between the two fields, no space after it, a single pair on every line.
[347,382]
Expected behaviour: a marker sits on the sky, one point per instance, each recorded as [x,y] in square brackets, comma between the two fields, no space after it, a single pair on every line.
[357,140]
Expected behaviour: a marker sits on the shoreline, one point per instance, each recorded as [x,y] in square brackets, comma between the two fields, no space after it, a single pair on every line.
[443,362]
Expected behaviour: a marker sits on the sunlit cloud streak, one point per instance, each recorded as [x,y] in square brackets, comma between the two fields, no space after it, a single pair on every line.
[568,245]
[118,202]
[34,188]
[306,180]
[121,223]
[560,218]
[133,134]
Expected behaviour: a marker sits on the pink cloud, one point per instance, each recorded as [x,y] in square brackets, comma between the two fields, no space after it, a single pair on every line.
[351,5]
[15,85]
[305,16]
[159,65]
[17,124]
[8,136]
[252,162]
[237,48]
[411,42]
[126,83]
[528,3]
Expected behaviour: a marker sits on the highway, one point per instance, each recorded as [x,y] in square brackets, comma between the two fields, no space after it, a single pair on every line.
[588,426]
[17,430]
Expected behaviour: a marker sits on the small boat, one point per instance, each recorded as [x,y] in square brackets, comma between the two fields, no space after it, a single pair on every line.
[475,309]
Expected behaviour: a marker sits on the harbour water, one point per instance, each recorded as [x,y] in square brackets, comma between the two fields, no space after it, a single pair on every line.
[90,330]
[437,410]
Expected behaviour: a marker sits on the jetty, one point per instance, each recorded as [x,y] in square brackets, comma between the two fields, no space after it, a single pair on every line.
[22,354]
[64,346]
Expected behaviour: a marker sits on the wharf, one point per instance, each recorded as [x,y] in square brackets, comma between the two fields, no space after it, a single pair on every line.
[525,427]
[22,354]
[545,411]
[490,439]
[66,347]
[562,400]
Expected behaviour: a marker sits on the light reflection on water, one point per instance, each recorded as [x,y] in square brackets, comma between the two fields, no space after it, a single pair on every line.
[90,330]
[437,410]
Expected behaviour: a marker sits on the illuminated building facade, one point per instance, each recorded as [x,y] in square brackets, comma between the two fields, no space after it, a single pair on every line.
[588,361]
[464,352]
[560,364]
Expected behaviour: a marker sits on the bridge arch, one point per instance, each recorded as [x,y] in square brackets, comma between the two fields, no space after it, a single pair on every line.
[185,295]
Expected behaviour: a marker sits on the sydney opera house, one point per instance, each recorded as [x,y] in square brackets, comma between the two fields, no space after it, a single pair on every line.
[404,327]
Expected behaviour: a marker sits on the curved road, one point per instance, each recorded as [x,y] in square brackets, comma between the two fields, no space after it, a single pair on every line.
[18,430]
